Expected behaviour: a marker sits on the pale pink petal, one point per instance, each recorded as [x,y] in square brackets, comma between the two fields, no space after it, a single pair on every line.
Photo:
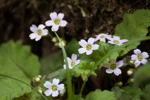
[134,57]
[82,50]
[60,87]
[74,57]
[55,93]
[48,92]
[103,39]
[83,43]
[89,52]
[47,84]
[53,15]
[69,60]
[117,71]
[137,63]
[119,63]
[124,40]
[95,47]
[38,38]
[33,28]
[145,55]
[137,51]
[33,36]
[144,61]
[91,40]
[63,23]
[109,71]
[77,62]
[56,81]
[55,28]
[64,66]
[49,23]
[116,37]
[111,42]
[41,26]
[60,16]
[44,32]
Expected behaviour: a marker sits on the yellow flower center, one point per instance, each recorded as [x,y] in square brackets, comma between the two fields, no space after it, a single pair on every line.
[113,66]
[57,21]
[54,87]
[116,41]
[102,36]
[140,57]
[88,47]
[73,63]
[39,32]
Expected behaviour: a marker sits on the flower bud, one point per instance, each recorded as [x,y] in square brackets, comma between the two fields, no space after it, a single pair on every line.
[54,39]
[130,71]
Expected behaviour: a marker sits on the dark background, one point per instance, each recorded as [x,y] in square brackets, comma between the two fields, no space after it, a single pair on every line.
[85,19]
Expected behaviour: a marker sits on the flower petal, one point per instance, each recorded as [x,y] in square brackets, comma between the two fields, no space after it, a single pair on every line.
[64,66]
[48,92]
[145,55]
[44,32]
[137,51]
[91,40]
[95,47]
[82,50]
[53,15]
[61,87]
[111,42]
[74,57]
[33,28]
[55,94]
[33,36]
[137,63]
[89,52]
[49,23]
[60,16]
[47,84]
[109,71]
[116,37]
[41,26]
[63,23]
[82,43]
[117,71]
[119,63]
[77,62]
[38,38]
[55,28]
[134,57]
[144,61]
[56,81]
[124,40]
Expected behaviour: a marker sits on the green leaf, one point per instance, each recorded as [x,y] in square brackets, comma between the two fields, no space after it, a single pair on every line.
[101,95]
[16,61]
[51,63]
[128,93]
[133,26]
[142,76]
[104,48]
[146,95]
[84,68]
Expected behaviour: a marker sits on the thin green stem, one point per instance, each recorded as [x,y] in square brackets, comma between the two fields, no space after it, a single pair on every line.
[83,85]
[69,83]
[25,84]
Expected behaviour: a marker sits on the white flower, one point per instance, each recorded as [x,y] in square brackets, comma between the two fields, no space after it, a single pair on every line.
[102,37]
[87,47]
[56,21]
[116,40]
[38,32]
[53,88]
[72,62]
[113,67]
[139,57]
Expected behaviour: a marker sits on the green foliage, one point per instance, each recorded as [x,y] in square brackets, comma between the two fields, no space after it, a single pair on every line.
[51,63]
[16,61]
[128,93]
[146,95]
[84,68]
[104,48]
[142,76]
[134,26]
[100,95]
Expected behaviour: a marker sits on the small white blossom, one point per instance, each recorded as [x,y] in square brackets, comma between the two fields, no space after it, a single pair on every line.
[116,40]
[87,47]
[56,21]
[139,57]
[102,37]
[38,32]
[53,88]
[72,62]
[113,67]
